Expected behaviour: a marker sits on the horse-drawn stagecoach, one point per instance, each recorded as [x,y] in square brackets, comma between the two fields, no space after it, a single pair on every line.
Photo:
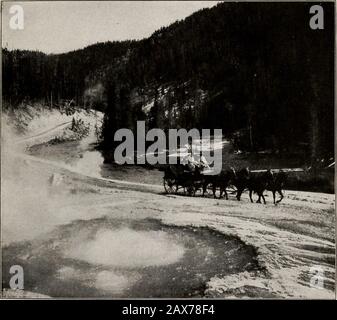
[177,177]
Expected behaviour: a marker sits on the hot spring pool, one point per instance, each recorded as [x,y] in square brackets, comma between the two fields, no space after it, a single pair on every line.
[106,257]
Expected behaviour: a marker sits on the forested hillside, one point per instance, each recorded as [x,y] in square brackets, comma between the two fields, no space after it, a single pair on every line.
[256,71]
[36,77]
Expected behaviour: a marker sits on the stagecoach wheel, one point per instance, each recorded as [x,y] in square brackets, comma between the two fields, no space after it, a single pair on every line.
[170,186]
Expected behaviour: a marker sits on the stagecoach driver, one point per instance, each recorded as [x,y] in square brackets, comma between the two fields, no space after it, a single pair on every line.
[189,160]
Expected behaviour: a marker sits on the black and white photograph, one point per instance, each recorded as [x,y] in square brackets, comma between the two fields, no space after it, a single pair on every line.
[168,150]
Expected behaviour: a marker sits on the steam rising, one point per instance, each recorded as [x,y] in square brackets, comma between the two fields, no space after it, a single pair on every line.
[30,206]
[128,248]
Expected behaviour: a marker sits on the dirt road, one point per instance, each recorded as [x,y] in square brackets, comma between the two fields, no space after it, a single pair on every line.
[44,134]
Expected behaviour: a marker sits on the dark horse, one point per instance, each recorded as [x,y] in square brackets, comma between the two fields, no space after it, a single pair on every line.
[241,182]
[276,184]
[256,182]
[221,181]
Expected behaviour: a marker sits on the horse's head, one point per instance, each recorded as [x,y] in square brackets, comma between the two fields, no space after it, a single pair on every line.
[245,172]
[269,174]
[232,172]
